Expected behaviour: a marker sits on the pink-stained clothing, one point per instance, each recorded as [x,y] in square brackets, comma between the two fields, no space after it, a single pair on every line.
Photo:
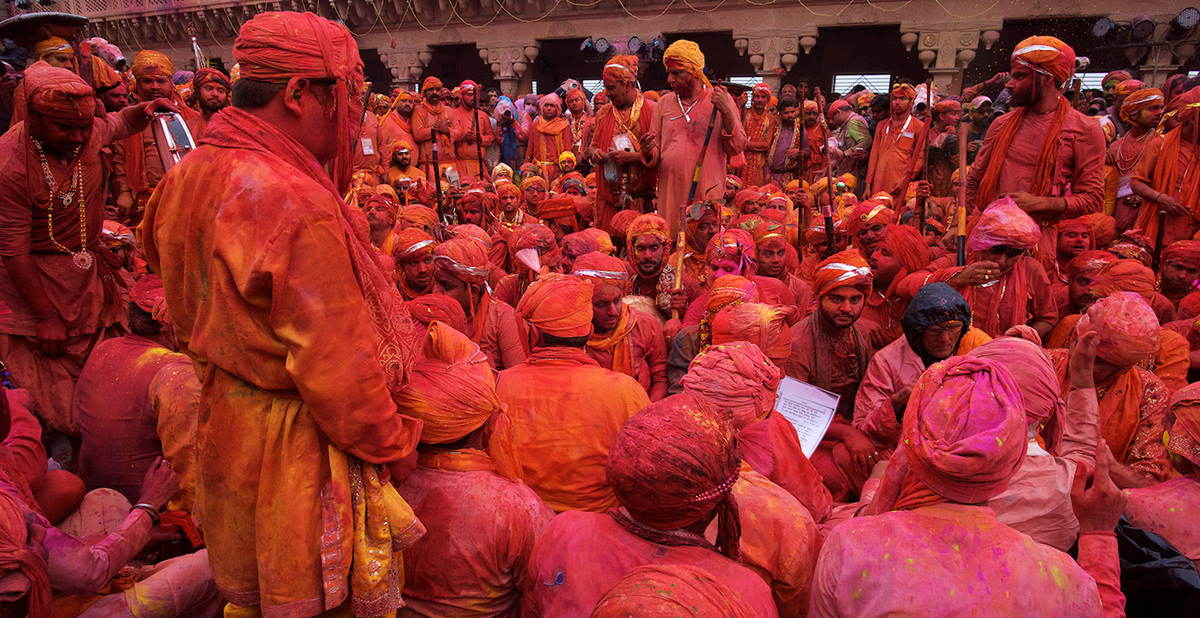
[22,453]
[1019,296]
[780,541]
[792,470]
[1169,510]
[581,555]
[468,154]
[112,403]
[175,402]
[501,338]
[893,153]
[957,560]
[680,137]
[890,370]
[771,291]
[480,532]
[180,586]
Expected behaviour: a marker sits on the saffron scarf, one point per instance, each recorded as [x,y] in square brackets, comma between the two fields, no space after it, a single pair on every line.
[617,342]
[1044,171]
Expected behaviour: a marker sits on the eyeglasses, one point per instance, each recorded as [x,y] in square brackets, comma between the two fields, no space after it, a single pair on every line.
[1011,252]
[952,326]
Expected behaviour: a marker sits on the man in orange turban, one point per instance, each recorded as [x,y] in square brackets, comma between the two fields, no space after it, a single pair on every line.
[1141,113]
[902,251]
[511,214]
[761,125]
[566,408]
[381,220]
[963,440]
[534,191]
[559,215]
[1180,269]
[430,119]
[1166,177]
[701,222]
[471,130]
[470,507]
[412,248]
[1074,237]
[63,287]
[300,373]
[623,339]
[549,136]
[677,133]
[777,259]
[462,271]
[830,350]
[868,225]
[674,467]
[896,153]
[1046,155]
[627,176]
[401,171]
[647,244]
[581,118]
[137,168]
[396,126]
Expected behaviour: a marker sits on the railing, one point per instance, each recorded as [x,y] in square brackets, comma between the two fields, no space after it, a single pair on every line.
[107,9]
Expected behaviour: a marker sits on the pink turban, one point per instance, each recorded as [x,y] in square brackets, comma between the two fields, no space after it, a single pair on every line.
[737,377]
[1004,223]
[1127,326]
[1034,373]
[678,590]
[58,93]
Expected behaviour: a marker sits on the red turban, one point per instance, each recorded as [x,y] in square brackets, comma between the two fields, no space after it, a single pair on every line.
[734,181]
[811,106]
[477,197]
[847,268]
[559,209]
[1114,78]
[412,244]
[686,55]
[1089,261]
[148,295]
[734,245]
[430,83]
[472,232]
[651,224]
[1140,100]
[964,431]
[737,377]
[838,105]
[870,212]
[210,75]
[745,195]
[1186,251]
[947,105]
[769,230]
[603,271]
[274,47]
[416,215]
[678,590]
[622,68]
[1046,55]
[382,200]
[762,325]
[577,244]
[1124,276]
[673,463]
[533,237]
[1184,434]
[908,246]
[464,258]
[558,305]
[1104,228]
[430,308]
[58,93]
[1128,87]
[507,188]
[621,222]
[815,234]
[451,389]
[1127,327]
[1004,223]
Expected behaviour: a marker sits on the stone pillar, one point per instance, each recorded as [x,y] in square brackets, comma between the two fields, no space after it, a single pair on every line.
[945,54]
[509,61]
[406,65]
[773,53]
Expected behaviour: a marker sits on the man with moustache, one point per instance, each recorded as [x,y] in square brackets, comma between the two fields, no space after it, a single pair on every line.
[210,93]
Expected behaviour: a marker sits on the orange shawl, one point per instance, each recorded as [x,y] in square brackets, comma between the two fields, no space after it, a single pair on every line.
[1042,175]
[617,342]
[1166,180]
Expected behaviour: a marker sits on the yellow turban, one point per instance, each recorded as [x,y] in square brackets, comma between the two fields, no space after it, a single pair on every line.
[52,45]
[149,62]
[686,55]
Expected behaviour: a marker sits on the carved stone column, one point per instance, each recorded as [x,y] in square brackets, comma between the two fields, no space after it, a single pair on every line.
[406,66]
[945,54]
[773,53]
[509,61]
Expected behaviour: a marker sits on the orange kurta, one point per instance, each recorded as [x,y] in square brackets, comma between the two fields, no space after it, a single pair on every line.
[423,118]
[175,401]
[269,308]
[547,140]
[467,153]
[760,129]
[892,155]
[566,409]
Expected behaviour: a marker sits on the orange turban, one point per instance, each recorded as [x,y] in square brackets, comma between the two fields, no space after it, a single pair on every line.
[1140,100]
[52,45]
[384,200]
[464,259]
[150,62]
[472,232]
[686,55]
[964,431]
[405,95]
[430,308]
[811,106]
[430,83]
[274,47]
[763,325]
[768,231]
[1127,327]
[451,389]
[210,75]
[412,244]
[507,188]
[1114,78]
[533,181]
[651,224]
[602,239]
[905,91]
[622,68]
[560,209]
[674,463]
[1104,228]
[1082,224]
[1124,276]
[745,195]
[1089,261]
[737,377]
[603,271]
[1004,223]
[815,234]
[1186,251]
[416,215]
[947,105]
[558,305]
[847,268]
[871,212]
[728,290]
[1184,434]
[1128,87]
[680,590]
[58,93]
[1046,55]
[908,246]
[577,244]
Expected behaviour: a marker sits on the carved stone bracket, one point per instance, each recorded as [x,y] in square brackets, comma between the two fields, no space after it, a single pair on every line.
[406,65]
[509,61]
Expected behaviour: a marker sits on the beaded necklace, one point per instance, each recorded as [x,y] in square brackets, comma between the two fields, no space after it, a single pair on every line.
[82,259]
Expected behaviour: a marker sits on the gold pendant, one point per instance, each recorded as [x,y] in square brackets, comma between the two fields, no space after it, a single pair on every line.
[67,198]
[83,260]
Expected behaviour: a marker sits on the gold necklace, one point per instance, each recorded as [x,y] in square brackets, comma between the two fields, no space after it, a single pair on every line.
[82,259]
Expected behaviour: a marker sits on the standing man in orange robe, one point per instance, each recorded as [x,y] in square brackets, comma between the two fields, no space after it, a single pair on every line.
[464,120]
[677,133]
[549,136]
[430,118]
[895,150]
[1045,154]
[301,342]
[761,125]
[397,125]
[462,274]
[1142,110]
[626,175]
[566,409]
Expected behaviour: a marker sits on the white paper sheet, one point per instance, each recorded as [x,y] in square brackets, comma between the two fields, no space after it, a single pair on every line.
[809,409]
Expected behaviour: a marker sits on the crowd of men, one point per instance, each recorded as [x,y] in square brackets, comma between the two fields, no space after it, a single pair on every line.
[447,354]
